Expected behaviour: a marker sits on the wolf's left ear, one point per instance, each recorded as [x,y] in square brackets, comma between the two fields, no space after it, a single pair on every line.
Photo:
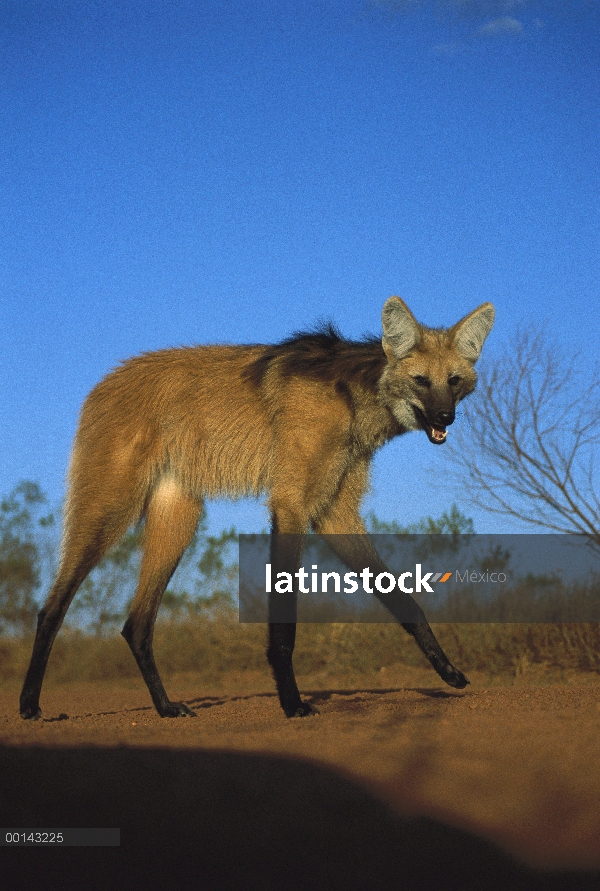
[471,332]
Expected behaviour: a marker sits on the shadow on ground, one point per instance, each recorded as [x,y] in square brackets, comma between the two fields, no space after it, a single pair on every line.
[218,820]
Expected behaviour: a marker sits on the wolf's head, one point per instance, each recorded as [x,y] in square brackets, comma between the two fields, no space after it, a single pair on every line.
[429,370]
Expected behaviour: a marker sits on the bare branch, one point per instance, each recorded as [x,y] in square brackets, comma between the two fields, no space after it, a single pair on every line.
[525,448]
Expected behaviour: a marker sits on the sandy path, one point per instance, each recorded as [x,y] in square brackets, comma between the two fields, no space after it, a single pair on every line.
[323,802]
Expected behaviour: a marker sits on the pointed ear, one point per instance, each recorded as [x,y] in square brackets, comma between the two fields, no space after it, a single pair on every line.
[400,328]
[471,332]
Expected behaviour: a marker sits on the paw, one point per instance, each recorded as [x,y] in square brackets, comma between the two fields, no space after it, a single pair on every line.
[31,713]
[454,677]
[304,710]
[177,710]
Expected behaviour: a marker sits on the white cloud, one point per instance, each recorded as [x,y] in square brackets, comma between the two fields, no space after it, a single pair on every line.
[506,24]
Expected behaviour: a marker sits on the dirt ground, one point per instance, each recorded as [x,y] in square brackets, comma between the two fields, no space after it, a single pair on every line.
[407,786]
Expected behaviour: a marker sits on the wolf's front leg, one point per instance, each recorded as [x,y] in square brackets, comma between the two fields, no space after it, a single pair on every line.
[357,551]
[286,554]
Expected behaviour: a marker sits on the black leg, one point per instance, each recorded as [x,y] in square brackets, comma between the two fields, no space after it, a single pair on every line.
[429,646]
[140,644]
[50,618]
[286,553]
[279,654]
[358,552]
[171,519]
[47,628]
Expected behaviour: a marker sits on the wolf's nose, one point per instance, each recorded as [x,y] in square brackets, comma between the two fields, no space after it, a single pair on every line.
[444,418]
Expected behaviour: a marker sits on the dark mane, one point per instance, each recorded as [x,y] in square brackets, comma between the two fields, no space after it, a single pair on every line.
[324,355]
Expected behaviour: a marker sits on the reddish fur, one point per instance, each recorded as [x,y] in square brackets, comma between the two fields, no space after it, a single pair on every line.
[299,421]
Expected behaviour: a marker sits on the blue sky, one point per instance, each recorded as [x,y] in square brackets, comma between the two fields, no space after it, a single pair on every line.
[201,172]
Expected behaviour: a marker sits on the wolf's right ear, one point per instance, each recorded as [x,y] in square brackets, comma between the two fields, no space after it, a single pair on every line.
[400,328]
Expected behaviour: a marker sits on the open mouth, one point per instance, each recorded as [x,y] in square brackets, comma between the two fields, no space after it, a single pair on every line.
[435,433]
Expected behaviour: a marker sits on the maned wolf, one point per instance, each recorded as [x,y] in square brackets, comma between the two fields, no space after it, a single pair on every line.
[299,420]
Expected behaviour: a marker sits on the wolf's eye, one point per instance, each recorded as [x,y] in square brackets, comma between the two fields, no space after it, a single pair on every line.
[421,381]
[455,380]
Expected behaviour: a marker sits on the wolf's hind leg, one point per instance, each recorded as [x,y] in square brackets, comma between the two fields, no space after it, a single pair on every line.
[90,530]
[171,521]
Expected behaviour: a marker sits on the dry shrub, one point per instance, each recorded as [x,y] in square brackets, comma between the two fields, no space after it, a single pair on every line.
[213,646]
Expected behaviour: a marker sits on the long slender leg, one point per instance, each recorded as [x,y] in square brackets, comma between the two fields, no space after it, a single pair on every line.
[82,550]
[50,618]
[344,532]
[357,552]
[286,554]
[171,521]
